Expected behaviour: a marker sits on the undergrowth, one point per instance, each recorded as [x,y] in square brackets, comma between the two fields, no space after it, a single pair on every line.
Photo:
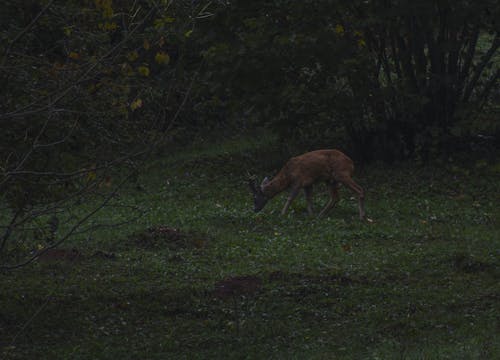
[202,276]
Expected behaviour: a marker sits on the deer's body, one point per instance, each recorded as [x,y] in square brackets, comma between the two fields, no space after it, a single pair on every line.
[301,172]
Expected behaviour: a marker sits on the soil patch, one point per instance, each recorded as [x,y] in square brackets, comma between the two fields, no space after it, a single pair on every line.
[55,255]
[174,239]
[468,264]
[71,255]
[237,286]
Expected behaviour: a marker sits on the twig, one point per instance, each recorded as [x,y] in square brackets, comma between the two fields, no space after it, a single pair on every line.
[71,231]
[8,229]
[21,112]
[25,30]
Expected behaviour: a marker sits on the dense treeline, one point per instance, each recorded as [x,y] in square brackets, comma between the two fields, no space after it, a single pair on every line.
[388,79]
[88,85]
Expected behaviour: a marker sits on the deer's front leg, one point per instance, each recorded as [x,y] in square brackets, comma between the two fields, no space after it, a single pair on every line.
[308,193]
[293,195]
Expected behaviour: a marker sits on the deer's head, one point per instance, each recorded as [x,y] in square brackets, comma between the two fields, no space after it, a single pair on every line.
[259,199]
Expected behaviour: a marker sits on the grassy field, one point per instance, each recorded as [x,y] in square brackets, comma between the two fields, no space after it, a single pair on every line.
[200,276]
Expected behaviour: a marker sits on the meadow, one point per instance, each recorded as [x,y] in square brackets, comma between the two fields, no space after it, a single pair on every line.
[201,276]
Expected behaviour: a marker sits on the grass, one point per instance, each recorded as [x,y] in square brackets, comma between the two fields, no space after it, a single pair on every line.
[218,281]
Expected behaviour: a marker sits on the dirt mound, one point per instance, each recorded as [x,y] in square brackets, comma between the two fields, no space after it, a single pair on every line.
[71,255]
[54,255]
[237,285]
[161,236]
[104,255]
[468,264]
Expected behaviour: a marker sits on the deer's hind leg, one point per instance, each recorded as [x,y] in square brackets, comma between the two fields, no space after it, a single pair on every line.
[308,193]
[333,188]
[351,184]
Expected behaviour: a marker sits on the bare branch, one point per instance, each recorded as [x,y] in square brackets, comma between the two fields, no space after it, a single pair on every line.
[71,231]
[25,30]
[469,56]
[22,112]
[9,228]
[490,85]
[480,68]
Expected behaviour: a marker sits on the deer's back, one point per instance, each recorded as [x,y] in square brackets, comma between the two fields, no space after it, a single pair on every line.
[318,165]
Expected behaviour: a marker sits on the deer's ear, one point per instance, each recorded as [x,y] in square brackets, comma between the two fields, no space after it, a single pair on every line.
[264,182]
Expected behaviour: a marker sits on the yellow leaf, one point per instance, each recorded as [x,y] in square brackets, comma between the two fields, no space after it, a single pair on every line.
[158,23]
[110,26]
[136,104]
[91,175]
[127,69]
[346,247]
[143,70]
[106,7]
[132,56]
[162,58]
[339,29]
[188,33]
[146,44]
[199,243]
[361,43]
[73,55]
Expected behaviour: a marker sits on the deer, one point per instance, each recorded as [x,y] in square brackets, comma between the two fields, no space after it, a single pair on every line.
[301,172]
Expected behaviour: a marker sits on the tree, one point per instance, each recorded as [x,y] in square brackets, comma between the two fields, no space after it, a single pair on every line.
[89,90]
[382,79]
[435,64]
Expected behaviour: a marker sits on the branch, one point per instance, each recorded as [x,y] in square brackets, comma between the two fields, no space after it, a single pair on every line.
[9,228]
[490,85]
[82,220]
[71,231]
[480,68]
[108,198]
[27,155]
[25,30]
[139,213]
[24,112]
[406,62]
[395,53]
[70,175]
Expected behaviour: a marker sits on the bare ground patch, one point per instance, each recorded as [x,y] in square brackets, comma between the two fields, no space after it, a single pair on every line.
[165,236]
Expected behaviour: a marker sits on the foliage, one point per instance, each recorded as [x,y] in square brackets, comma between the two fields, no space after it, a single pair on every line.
[384,79]
[430,67]
[88,87]
[274,69]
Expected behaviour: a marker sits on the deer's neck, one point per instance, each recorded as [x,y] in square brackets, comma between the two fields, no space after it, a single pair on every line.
[278,184]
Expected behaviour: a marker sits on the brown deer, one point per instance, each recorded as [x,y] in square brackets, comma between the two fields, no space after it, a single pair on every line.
[301,172]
